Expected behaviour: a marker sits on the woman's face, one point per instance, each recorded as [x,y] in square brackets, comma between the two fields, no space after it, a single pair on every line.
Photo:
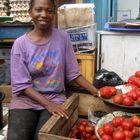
[42,14]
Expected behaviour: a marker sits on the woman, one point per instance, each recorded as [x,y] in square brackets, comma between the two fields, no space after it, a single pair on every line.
[41,62]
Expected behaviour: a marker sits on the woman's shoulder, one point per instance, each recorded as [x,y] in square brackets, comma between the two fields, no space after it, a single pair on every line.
[21,38]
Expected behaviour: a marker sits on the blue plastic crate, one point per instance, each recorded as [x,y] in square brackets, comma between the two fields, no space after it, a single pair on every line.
[13,31]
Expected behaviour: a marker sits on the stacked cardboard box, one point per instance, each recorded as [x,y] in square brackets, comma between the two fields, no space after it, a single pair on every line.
[79,22]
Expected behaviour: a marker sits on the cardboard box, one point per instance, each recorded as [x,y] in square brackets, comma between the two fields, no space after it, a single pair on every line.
[83,38]
[75,15]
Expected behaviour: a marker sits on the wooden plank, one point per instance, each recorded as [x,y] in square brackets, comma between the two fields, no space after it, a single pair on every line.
[54,124]
[53,137]
[65,130]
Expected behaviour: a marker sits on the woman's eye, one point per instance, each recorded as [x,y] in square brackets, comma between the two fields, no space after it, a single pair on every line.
[50,11]
[38,9]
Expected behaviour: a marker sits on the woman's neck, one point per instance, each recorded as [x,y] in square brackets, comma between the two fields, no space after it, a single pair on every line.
[40,36]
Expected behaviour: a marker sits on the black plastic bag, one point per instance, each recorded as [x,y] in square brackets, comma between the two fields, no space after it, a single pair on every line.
[104,77]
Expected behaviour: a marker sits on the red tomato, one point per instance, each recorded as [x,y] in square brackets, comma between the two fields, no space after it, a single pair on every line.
[119,128]
[89,129]
[128,134]
[113,91]
[118,135]
[133,94]
[88,136]
[118,99]
[83,134]
[108,91]
[100,131]
[135,132]
[84,122]
[106,137]
[133,80]
[135,120]
[105,92]
[81,128]
[73,136]
[138,100]
[117,121]
[94,137]
[137,73]
[108,128]
[128,101]
[127,125]
[75,131]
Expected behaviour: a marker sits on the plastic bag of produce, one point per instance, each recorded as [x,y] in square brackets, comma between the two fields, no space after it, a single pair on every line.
[104,77]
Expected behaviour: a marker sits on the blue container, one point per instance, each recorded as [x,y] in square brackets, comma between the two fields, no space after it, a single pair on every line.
[13,31]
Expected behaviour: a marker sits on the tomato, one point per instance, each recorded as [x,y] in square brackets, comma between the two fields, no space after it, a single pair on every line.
[75,131]
[118,99]
[133,94]
[100,131]
[106,137]
[128,101]
[113,91]
[105,92]
[125,95]
[83,134]
[133,80]
[128,134]
[135,120]
[73,136]
[108,128]
[118,135]
[127,125]
[94,137]
[138,100]
[119,128]
[137,73]
[117,121]
[81,128]
[84,122]
[88,136]
[135,132]
[89,129]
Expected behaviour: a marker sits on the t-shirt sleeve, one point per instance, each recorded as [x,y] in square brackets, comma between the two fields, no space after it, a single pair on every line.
[20,76]
[72,67]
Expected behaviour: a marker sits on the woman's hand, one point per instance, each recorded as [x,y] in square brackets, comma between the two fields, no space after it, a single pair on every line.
[57,109]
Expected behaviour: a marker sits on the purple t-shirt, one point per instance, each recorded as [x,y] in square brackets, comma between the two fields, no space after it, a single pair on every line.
[45,67]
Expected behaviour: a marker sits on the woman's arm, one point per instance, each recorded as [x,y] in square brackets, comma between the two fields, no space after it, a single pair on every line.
[50,106]
[80,80]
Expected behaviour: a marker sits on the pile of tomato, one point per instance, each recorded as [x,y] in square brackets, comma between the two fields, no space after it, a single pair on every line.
[120,128]
[84,131]
[130,98]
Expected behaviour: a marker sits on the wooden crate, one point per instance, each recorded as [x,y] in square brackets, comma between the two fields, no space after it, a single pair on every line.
[57,128]
[87,65]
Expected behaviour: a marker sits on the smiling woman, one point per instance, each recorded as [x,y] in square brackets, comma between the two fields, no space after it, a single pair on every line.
[46,61]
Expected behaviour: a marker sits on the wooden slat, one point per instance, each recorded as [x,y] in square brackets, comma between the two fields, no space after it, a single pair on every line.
[55,124]
[66,128]
[53,137]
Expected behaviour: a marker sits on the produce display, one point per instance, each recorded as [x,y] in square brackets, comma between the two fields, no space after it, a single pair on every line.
[127,95]
[118,126]
[84,131]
